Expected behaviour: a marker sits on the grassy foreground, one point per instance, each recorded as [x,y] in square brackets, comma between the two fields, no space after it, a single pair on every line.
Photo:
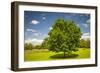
[38,55]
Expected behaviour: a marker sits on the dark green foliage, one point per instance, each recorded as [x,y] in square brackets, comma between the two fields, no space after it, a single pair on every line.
[28,46]
[64,37]
[45,43]
[84,43]
[37,47]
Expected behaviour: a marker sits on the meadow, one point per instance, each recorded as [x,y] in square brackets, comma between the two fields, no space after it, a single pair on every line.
[44,54]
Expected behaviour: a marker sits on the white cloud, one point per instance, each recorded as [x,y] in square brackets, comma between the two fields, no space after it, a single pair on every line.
[43,18]
[35,22]
[88,21]
[78,25]
[50,28]
[34,41]
[73,14]
[81,15]
[85,36]
[37,34]
[85,25]
[31,30]
[46,35]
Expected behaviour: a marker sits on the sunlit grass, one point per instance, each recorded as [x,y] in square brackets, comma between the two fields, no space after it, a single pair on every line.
[38,55]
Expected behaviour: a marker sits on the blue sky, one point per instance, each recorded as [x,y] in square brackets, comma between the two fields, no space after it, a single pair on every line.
[38,24]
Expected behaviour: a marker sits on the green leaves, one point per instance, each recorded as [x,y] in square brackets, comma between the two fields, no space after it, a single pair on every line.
[28,46]
[64,37]
[85,43]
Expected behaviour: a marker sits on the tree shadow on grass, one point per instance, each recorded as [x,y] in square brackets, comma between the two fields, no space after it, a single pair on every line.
[61,56]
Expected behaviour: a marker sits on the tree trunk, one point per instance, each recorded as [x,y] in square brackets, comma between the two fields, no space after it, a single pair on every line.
[64,54]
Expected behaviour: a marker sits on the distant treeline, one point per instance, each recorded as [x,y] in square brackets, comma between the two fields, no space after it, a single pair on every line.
[84,43]
[44,45]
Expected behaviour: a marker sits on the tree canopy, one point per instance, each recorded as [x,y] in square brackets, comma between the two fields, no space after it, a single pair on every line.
[64,36]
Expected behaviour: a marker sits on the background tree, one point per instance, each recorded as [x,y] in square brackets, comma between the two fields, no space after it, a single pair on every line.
[45,43]
[88,43]
[64,37]
[38,47]
[82,43]
[28,46]
[85,43]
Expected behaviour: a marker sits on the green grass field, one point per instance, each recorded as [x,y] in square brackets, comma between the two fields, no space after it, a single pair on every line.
[39,55]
